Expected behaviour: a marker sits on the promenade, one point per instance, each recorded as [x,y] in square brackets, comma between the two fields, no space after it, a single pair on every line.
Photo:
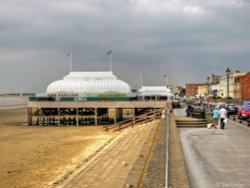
[120,164]
[215,157]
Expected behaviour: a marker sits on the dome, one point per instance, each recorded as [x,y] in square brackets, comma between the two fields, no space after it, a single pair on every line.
[154,91]
[89,82]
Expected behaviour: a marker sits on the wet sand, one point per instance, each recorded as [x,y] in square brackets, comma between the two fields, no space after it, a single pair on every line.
[7,101]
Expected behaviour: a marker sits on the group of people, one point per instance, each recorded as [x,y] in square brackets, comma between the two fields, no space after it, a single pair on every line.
[219,117]
[219,114]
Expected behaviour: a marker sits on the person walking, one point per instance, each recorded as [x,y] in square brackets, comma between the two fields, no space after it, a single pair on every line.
[222,116]
[215,116]
[189,110]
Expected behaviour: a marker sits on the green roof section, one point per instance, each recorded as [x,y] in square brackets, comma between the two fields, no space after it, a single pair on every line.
[83,97]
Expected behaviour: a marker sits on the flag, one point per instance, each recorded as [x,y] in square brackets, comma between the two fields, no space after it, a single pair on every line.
[165,75]
[109,52]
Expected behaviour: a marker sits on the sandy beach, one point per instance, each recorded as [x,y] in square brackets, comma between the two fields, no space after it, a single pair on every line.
[38,156]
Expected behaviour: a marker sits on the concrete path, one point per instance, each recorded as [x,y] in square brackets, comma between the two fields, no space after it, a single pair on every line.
[215,157]
[114,166]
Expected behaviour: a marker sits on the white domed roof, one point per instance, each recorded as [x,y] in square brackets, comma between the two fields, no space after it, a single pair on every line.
[154,91]
[89,82]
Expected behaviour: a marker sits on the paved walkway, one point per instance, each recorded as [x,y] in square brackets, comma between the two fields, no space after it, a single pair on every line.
[215,157]
[116,166]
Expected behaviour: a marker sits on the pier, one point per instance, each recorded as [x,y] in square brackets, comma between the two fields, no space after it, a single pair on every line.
[87,113]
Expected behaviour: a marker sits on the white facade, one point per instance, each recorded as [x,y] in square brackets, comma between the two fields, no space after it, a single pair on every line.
[223,85]
[89,82]
[215,89]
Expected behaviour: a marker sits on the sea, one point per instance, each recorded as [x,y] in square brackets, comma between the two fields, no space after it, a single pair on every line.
[12,102]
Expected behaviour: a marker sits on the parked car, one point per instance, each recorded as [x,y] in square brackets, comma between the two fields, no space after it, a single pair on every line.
[244,112]
[246,103]
[232,109]
[221,104]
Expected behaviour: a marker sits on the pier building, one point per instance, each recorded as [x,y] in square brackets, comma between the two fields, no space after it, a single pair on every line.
[90,98]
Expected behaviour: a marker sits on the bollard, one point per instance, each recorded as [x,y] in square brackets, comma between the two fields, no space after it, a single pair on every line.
[234,118]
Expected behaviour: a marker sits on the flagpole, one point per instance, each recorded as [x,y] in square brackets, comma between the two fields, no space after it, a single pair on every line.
[143,97]
[70,61]
[141,80]
[166,81]
[110,61]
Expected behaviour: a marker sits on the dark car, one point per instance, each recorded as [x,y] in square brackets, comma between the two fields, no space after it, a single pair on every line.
[232,109]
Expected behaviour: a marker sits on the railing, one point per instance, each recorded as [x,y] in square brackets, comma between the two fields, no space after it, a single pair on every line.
[147,117]
[167,148]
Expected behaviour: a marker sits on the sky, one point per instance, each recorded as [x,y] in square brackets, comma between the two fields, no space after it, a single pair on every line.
[186,39]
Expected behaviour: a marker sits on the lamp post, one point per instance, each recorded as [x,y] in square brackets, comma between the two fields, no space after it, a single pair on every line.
[228,73]
[208,80]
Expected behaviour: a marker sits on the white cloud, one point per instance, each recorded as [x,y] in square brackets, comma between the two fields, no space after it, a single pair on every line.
[156,6]
[194,10]
[236,3]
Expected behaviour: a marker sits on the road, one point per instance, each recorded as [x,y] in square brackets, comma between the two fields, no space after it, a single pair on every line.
[215,157]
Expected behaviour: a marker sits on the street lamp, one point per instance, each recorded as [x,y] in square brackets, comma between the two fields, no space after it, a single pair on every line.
[228,73]
[208,79]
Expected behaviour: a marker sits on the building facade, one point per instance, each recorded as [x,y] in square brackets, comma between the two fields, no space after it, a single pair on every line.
[234,88]
[214,86]
[178,90]
[202,89]
[242,87]
[192,89]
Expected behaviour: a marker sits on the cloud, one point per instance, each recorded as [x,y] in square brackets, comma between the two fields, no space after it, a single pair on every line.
[235,3]
[194,10]
[156,6]
[183,38]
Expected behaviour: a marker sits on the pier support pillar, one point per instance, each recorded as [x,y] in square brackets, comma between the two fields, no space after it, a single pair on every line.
[77,116]
[59,118]
[29,114]
[115,115]
[96,116]
[133,111]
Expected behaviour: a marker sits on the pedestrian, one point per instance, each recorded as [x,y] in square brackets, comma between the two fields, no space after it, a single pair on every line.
[222,116]
[215,116]
[189,110]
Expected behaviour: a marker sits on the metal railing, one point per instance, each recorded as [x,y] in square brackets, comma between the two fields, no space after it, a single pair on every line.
[167,115]
[147,117]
